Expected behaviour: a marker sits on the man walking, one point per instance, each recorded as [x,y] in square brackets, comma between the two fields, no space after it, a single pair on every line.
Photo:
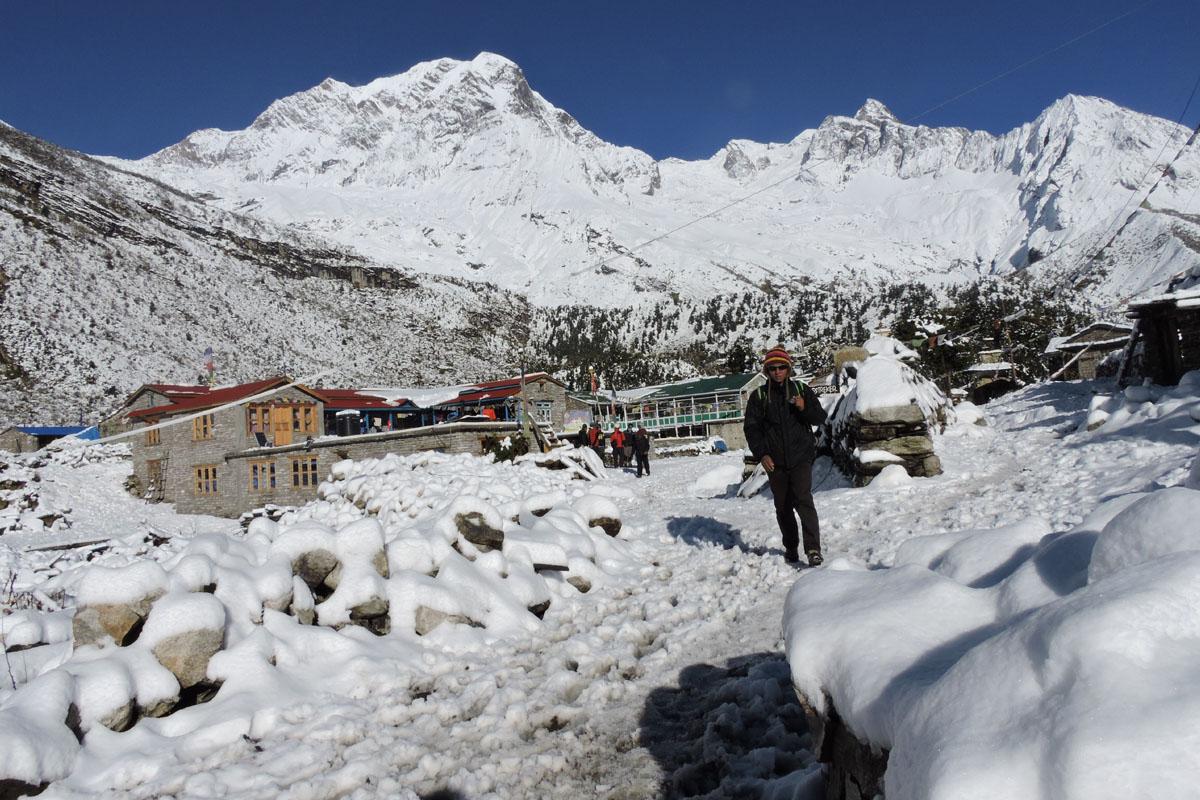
[641,450]
[779,419]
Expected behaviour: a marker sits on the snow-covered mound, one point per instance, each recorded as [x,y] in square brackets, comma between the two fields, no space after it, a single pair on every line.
[399,554]
[1135,407]
[1015,662]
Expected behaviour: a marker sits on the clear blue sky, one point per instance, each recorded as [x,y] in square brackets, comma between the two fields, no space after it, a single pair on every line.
[673,79]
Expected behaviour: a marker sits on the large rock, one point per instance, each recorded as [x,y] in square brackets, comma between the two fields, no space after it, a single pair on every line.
[902,445]
[372,614]
[121,621]
[120,718]
[187,654]
[854,768]
[475,529]
[429,618]
[609,525]
[314,566]
[910,414]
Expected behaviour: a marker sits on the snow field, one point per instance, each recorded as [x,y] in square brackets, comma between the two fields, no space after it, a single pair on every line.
[672,682]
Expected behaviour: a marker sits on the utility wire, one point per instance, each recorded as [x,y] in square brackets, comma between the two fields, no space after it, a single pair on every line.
[1069,275]
[1033,60]
[628,252]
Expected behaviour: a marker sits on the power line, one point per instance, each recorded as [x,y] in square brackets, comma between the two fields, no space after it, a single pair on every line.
[1117,219]
[628,252]
[1033,60]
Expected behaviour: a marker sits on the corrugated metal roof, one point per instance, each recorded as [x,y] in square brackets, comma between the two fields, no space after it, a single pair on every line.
[212,398]
[339,399]
[702,386]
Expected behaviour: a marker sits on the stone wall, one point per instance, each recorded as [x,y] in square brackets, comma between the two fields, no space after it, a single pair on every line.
[14,441]
[901,431]
[731,431]
[545,390]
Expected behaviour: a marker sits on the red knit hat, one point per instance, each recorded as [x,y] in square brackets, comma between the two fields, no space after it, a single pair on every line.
[777,355]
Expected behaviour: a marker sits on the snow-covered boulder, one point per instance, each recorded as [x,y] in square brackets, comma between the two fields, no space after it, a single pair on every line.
[113,601]
[985,661]
[184,632]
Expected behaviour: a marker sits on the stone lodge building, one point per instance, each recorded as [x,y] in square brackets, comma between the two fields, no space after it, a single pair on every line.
[263,443]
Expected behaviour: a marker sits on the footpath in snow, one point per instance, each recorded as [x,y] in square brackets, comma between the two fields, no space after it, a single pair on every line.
[667,677]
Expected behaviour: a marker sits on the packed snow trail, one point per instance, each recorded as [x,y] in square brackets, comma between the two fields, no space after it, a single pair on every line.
[671,686]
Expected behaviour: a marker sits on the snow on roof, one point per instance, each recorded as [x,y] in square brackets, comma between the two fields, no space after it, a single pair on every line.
[997,366]
[1185,298]
[1053,345]
[430,396]
[338,399]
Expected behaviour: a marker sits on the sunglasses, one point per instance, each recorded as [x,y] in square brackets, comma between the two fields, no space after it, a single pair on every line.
[778,368]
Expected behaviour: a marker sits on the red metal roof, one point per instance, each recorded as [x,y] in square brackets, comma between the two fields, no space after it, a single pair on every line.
[493,390]
[337,399]
[483,394]
[211,398]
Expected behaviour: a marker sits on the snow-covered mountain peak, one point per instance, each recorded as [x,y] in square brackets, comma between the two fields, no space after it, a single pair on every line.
[876,113]
[460,168]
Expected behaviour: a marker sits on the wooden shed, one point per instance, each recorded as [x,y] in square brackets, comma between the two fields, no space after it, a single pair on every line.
[1165,342]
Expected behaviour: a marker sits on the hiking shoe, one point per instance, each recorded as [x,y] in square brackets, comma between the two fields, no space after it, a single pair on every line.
[791,557]
[814,558]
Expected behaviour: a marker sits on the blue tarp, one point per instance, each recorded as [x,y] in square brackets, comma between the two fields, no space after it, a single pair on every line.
[52,430]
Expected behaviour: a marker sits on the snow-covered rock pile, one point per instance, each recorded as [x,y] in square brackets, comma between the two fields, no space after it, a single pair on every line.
[1159,406]
[23,506]
[884,418]
[398,554]
[1013,663]
[27,505]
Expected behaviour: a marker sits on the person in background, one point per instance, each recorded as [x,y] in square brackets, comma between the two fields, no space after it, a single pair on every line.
[618,447]
[641,450]
[627,450]
[778,426]
[582,438]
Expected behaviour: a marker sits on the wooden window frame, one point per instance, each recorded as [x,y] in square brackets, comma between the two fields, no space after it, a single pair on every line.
[258,414]
[202,427]
[153,436]
[262,470]
[204,480]
[305,471]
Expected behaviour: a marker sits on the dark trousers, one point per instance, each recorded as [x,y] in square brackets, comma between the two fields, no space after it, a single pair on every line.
[643,463]
[792,489]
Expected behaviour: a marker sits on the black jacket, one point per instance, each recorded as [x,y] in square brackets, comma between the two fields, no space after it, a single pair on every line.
[641,442]
[775,427]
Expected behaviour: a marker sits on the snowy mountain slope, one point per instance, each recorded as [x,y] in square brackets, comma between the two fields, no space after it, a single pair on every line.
[109,280]
[460,168]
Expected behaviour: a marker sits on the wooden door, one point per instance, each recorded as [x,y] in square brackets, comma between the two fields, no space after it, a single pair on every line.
[281,425]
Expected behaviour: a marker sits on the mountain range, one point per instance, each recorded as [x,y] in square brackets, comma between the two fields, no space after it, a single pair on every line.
[446,220]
